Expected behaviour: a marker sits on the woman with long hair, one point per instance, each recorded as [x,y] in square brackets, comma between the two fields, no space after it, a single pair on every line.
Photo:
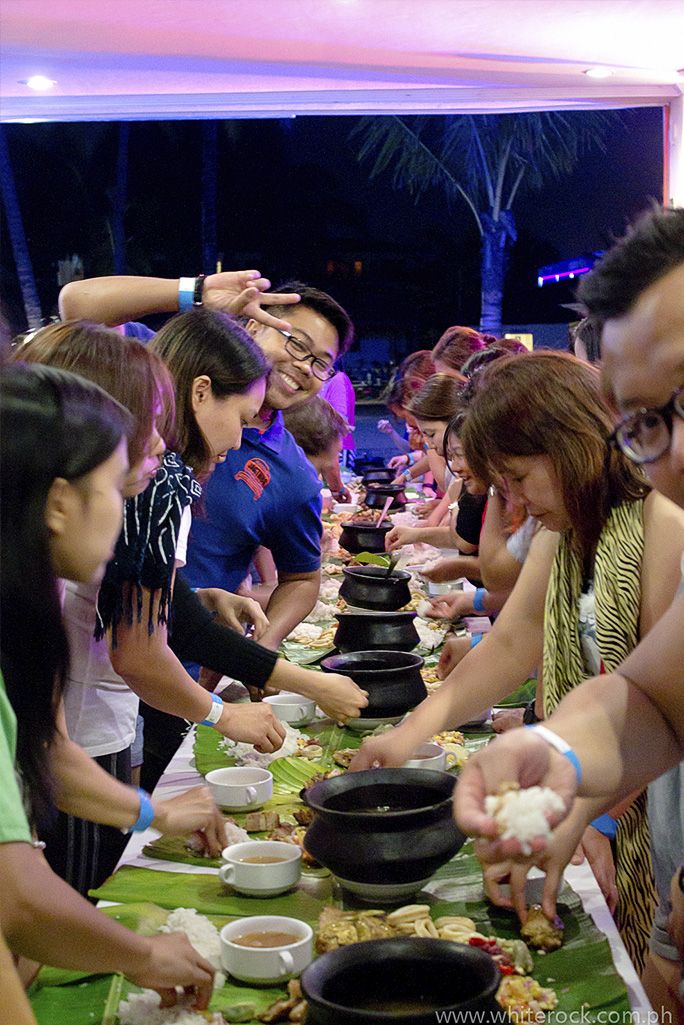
[600,573]
[63,458]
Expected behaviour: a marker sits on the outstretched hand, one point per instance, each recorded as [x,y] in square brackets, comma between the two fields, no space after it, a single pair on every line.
[244,293]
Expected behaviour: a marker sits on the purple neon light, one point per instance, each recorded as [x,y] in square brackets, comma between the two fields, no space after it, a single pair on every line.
[541,278]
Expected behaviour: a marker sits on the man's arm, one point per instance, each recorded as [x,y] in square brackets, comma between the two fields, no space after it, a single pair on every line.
[636,733]
[116,299]
[292,600]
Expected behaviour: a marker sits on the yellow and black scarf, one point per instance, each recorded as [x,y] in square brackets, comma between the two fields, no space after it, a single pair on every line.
[617,587]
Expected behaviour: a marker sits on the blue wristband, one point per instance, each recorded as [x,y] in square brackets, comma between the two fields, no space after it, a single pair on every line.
[144,820]
[186,294]
[411,459]
[560,745]
[475,639]
[607,825]
[478,600]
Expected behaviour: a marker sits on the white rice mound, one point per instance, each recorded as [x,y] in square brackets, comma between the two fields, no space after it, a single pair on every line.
[143,1008]
[522,814]
[423,608]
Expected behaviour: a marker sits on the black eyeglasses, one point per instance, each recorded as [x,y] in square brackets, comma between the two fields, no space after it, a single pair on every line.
[301,352]
[646,435]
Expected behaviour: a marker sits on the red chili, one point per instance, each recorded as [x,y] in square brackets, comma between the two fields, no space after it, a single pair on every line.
[506,969]
[478,941]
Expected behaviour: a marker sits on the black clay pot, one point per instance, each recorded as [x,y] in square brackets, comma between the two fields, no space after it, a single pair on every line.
[379,631]
[378,476]
[369,587]
[392,679]
[410,978]
[354,836]
[364,466]
[377,495]
[364,537]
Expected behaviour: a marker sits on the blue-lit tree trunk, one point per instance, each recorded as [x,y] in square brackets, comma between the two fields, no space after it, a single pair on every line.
[209,192]
[120,200]
[15,227]
[497,237]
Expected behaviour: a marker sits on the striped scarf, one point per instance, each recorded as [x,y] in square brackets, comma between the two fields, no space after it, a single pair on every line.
[617,585]
[145,553]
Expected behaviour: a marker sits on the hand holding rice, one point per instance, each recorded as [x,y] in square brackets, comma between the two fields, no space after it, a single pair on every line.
[523,814]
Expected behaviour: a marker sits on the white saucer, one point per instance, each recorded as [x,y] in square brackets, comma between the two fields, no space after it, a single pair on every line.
[359,725]
[383,893]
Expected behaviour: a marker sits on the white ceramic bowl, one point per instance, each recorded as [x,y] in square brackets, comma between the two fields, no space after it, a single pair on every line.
[292,708]
[346,507]
[261,878]
[427,756]
[266,964]
[240,788]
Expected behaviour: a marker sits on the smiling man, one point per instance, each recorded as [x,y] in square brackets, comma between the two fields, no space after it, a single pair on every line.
[267,493]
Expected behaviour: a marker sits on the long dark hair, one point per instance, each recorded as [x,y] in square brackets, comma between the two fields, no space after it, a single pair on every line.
[206,342]
[52,424]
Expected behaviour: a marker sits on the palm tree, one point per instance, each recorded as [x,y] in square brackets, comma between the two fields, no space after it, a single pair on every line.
[15,228]
[484,161]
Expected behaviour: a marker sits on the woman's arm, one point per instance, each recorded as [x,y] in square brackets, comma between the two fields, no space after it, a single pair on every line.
[487,674]
[499,569]
[42,918]
[150,668]
[85,790]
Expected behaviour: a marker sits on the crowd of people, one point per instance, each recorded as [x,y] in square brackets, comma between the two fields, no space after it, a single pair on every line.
[161,528]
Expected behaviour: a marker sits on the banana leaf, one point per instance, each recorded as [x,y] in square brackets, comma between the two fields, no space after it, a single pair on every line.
[519,697]
[69,998]
[301,655]
[205,892]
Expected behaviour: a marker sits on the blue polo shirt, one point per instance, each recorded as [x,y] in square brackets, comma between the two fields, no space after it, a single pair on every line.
[266,493]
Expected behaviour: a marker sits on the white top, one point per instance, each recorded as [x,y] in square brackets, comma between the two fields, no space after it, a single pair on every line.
[518,544]
[100,708]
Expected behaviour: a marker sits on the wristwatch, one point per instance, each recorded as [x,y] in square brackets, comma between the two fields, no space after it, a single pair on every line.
[530,717]
[681,877]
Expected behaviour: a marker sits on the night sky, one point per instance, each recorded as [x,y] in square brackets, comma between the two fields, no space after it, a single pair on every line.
[294,202]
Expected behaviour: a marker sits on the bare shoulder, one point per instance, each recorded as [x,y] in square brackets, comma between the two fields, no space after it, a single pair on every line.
[660,517]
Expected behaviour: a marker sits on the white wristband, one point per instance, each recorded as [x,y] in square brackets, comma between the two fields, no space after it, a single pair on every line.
[214,713]
[186,294]
[560,745]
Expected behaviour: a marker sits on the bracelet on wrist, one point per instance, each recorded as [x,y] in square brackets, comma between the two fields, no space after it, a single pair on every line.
[606,825]
[145,815]
[214,713]
[561,746]
[478,599]
[198,289]
[190,292]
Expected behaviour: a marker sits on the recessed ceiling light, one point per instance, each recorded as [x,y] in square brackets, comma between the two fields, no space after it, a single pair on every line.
[41,83]
[598,73]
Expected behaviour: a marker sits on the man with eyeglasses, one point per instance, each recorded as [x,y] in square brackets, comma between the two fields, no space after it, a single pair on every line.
[614,734]
[266,493]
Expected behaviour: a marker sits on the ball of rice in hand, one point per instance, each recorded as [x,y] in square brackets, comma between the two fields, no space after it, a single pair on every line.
[522,815]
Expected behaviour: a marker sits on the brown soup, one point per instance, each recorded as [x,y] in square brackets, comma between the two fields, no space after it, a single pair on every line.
[262,859]
[266,939]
